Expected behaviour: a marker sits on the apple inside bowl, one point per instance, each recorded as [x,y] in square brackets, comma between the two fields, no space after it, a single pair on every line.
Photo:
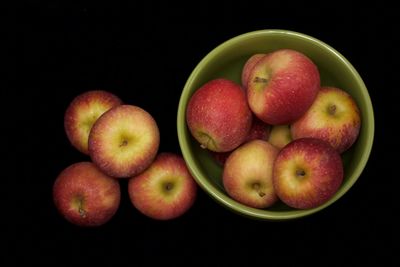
[227,61]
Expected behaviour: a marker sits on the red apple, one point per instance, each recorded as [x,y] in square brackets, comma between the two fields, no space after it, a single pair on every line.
[124,141]
[82,113]
[218,115]
[333,117]
[282,86]
[307,173]
[248,67]
[85,196]
[280,136]
[247,174]
[259,130]
[164,191]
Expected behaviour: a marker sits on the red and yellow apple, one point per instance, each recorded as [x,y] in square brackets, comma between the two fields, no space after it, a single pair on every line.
[259,130]
[282,86]
[280,136]
[334,117]
[166,190]
[307,173]
[218,115]
[124,141]
[247,174]
[83,112]
[85,196]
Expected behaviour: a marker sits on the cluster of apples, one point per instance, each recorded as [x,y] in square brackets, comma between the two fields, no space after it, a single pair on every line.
[122,142]
[280,134]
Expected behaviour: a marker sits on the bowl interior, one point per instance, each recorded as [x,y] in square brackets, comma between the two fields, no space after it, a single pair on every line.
[227,61]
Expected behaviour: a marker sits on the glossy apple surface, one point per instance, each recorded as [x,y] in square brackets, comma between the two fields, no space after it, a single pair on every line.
[85,196]
[247,174]
[83,112]
[333,117]
[282,86]
[166,190]
[124,141]
[307,173]
[218,115]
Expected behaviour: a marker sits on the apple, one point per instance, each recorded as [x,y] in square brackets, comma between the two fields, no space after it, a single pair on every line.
[259,130]
[248,67]
[81,114]
[282,86]
[218,115]
[280,136]
[124,141]
[333,117]
[85,196]
[247,174]
[307,173]
[166,190]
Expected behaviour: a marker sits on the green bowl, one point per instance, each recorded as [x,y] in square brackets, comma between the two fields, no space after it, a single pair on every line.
[226,61]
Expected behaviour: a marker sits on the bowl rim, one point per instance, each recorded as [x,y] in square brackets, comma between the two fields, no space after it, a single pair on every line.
[224,199]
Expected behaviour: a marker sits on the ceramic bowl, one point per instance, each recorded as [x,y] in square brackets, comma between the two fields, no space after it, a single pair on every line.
[227,61]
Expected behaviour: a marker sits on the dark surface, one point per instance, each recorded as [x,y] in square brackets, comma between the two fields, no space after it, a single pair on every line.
[144,53]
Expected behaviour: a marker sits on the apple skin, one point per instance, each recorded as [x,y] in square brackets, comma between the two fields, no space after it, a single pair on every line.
[247,174]
[166,190]
[282,86]
[307,173]
[85,196]
[124,141]
[280,136]
[83,112]
[259,130]
[248,67]
[334,117]
[218,115]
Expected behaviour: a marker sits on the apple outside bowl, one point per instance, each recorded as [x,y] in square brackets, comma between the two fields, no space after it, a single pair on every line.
[227,61]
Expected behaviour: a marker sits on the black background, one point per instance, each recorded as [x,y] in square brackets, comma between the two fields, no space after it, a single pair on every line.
[144,52]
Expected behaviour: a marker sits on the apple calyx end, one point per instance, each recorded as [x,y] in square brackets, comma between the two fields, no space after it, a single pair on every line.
[256,187]
[300,173]
[123,143]
[207,141]
[168,186]
[332,109]
[82,212]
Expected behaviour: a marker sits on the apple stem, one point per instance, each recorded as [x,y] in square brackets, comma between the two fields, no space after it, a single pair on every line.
[260,80]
